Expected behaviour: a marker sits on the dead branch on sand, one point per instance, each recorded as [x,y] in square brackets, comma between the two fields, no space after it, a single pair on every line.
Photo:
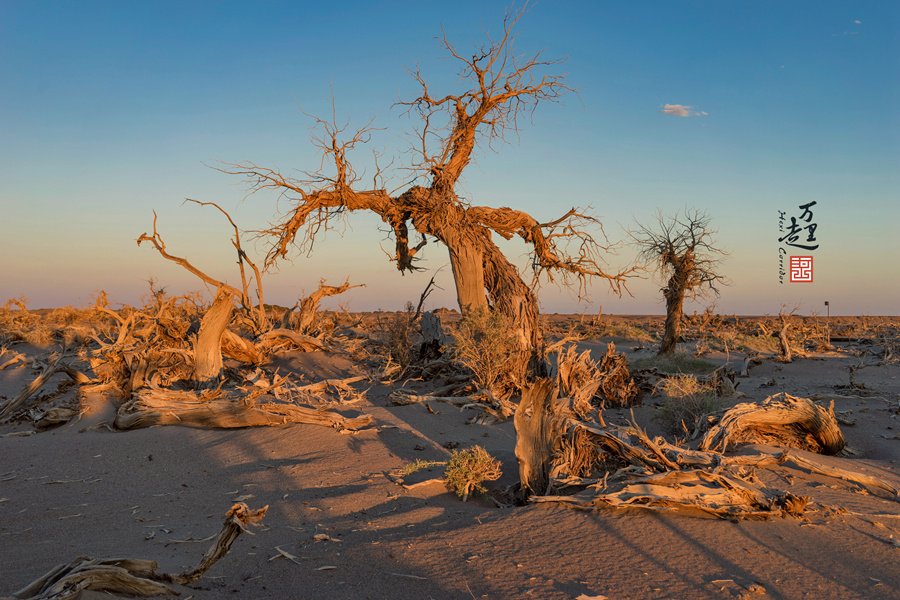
[57,366]
[136,577]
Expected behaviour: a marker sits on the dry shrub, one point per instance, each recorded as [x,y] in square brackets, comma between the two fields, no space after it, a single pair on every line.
[484,343]
[688,404]
[468,469]
[608,382]
[38,335]
[618,387]
[578,378]
[395,332]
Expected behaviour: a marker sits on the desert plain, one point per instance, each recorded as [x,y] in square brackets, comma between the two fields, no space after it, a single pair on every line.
[350,516]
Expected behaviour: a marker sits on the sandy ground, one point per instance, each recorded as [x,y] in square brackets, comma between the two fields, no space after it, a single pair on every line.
[150,493]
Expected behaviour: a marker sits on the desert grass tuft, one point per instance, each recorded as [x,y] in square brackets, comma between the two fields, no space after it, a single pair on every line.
[626,331]
[468,469]
[418,465]
[674,363]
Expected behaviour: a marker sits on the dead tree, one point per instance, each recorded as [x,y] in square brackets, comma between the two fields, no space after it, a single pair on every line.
[502,88]
[681,250]
[243,294]
[208,362]
[309,306]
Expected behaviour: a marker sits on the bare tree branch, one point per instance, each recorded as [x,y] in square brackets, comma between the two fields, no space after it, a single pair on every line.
[160,246]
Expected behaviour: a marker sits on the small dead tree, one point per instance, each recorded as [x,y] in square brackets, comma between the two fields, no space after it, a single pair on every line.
[309,305]
[242,294]
[681,250]
[502,87]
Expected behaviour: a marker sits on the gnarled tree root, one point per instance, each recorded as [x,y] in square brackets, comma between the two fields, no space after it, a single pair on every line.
[137,577]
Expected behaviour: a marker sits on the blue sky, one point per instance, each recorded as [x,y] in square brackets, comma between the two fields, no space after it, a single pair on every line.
[109,110]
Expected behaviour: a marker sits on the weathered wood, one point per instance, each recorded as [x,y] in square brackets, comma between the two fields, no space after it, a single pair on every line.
[433,337]
[309,306]
[136,577]
[538,428]
[240,348]
[208,347]
[157,406]
[237,520]
[19,357]
[305,343]
[781,420]
[32,388]
[116,576]
[712,493]
[321,386]
[784,340]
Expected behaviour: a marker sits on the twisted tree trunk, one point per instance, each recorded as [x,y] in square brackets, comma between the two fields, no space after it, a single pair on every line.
[208,347]
[674,296]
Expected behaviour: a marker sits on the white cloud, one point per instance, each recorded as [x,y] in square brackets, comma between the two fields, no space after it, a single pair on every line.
[681,110]
[857,22]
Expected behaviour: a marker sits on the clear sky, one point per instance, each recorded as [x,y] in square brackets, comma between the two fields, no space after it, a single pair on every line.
[109,110]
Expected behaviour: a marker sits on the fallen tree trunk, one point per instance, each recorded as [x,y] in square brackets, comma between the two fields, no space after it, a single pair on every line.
[780,420]
[136,577]
[712,493]
[321,386]
[218,409]
[305,343]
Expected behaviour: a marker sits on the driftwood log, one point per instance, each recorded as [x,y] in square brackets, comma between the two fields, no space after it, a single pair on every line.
[711,493]
[306,343]
[220,409]
[136,577]
[780,420]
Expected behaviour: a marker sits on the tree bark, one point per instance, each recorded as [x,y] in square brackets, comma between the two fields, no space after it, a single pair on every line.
[208,347]
[786,355]
[536,435]
[468,274]
[674,311]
